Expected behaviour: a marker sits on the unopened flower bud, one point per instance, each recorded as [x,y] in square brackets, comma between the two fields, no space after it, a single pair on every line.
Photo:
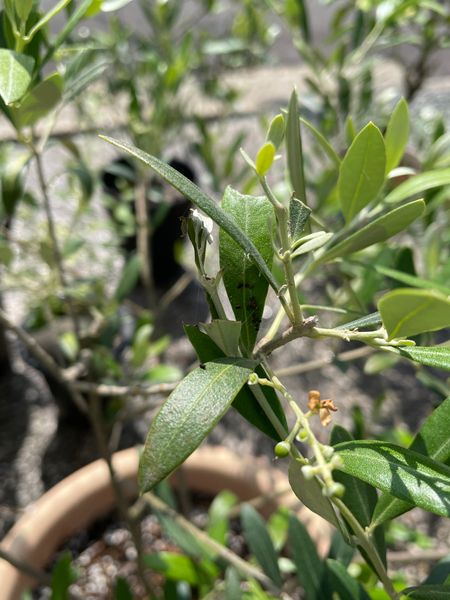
[282,449]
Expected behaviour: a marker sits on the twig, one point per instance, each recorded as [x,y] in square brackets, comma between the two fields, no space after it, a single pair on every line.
[26,568]
[104,389]
[312,365]
[45,359]
[265,347]
[143,246]
[54,240]
[413,557]
[96,419]
[225,553]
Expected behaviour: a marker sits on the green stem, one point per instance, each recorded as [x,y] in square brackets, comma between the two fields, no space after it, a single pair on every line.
[366,544]
[282,215]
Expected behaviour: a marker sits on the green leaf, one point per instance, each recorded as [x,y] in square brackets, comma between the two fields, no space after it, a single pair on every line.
[23,9]
[431,356]
[122,590]
[299,214]
[15,75]
[309,492]
[359,497]
[314,243]
[202,201]
[245,286]
[412,280]
[405,474]
[433,441]
[428,592]
[406,312]
[129,278]
[362,172]
[419,184]
[397,134]
[259,543]
[225,334]
[245,402]
[294,149]
[439,573]
[310,570]
[188,415]
[372,320]
[380,229]
[63,575]
[275,133]
[325,145]
[174,566]
[343,583]
[232,585]
[39,101]
[218,516]
[264,158]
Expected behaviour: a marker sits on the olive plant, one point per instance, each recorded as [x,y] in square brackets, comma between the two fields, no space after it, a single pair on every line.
[357,485]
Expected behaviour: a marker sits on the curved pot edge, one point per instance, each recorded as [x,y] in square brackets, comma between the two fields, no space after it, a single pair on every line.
[86,495]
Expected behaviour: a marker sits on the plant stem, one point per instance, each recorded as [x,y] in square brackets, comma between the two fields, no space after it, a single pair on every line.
[96,419]
[366,544]
[230,557]
[37,574]
[143,245]
[282,215]
[54,240]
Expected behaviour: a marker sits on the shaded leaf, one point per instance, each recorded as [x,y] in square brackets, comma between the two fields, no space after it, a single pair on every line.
[188,415]
[439,573]
[259,542]
[128,278]
[343,583]
[411,280]
[298,217]
[225,334]
[202,201]
[39,101]
[405,474]
[310,569]
[407,312]
[362,171]
[379,230]
[218,516]
[244,283]
[309,492]
[428,592]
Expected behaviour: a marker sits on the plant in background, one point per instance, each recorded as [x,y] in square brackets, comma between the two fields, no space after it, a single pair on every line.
[338,480]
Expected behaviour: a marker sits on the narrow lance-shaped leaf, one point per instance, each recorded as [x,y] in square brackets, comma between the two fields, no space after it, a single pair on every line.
[432,440]
[412,280]
[406,312]
[362,172]
[245,402]
[259,542]
[397,134]
[325,145]
[202,201]
[39,101]
[294,149]
[419,184]
[405,474]
[379,230]
[343,583]
[245,286]
[188,415]
[310,570]
[431,356]
[427,592]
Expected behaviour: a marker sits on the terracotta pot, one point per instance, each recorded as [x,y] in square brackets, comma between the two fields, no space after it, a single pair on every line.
[86,495]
